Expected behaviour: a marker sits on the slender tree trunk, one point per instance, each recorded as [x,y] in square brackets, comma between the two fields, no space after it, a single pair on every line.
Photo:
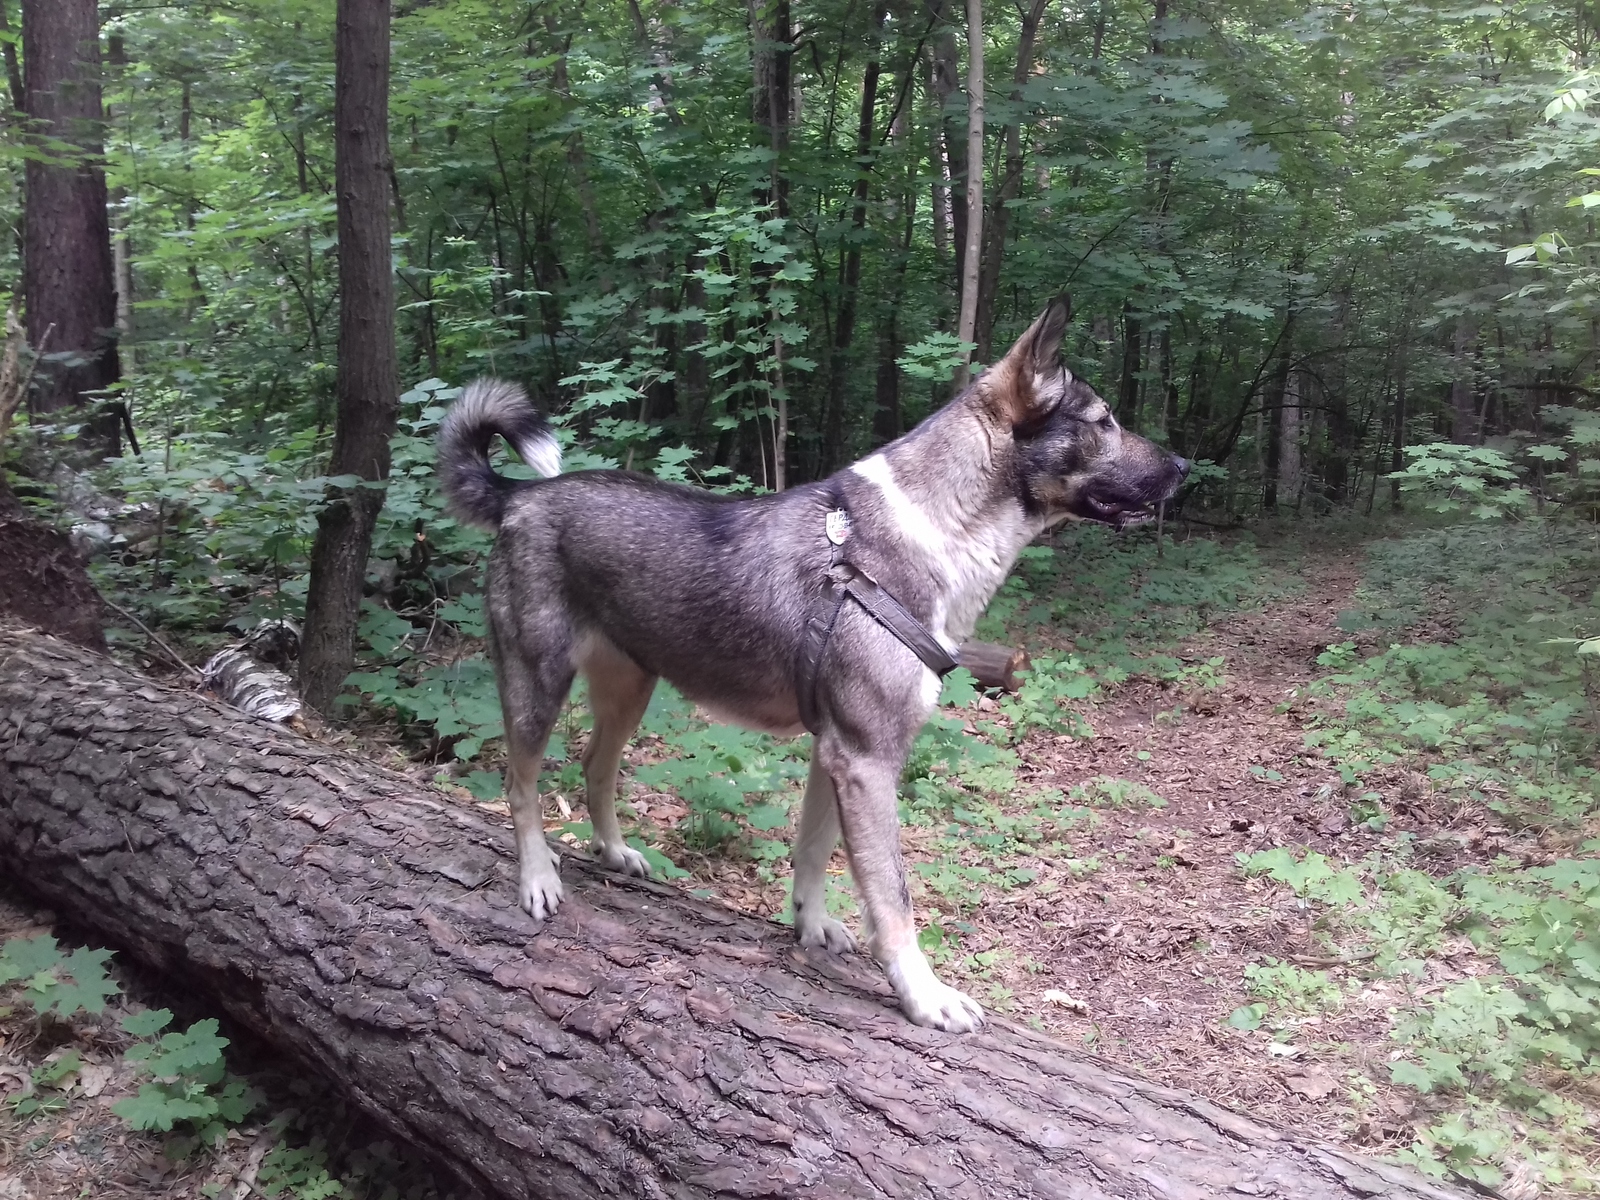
[771,51]
[844,327]
[1272,470]
[1010,184]
[951,135]
[938,164]
[69,282]
[1397,456]
[1463,409]
[577,154]
[1289,439]
[972,254]
[1128,387]
[365,384]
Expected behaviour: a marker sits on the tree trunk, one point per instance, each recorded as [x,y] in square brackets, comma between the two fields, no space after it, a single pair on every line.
[972,252]
[642,1043]
[844,328]
[68,282]
[1289,439]
[949,135]
[771,49]
[1010,184]
[1463,408]
[1271,471]
[1397,456]
[366,386]
[1128,387]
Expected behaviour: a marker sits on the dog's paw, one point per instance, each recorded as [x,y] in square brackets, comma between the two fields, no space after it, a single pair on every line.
[940,1006]
[826,934]
[539,889]
[623,859]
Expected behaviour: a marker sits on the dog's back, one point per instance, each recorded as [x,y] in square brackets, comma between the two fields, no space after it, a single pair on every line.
[708,592]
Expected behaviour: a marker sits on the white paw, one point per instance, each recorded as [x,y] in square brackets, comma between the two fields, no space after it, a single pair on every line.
[942,1007]
[927,1001]
[539,886]
[826,933]
[623,859]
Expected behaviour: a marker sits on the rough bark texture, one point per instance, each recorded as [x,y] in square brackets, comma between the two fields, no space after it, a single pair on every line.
[367,388]
[68,282]
[642,1044]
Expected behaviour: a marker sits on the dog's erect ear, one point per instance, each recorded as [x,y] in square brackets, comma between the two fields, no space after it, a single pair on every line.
[1044,337]
[1020,384]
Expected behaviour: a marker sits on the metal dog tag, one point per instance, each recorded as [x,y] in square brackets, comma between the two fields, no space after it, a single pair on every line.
[838,526]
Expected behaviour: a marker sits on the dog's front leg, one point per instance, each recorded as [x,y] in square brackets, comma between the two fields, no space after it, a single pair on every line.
[539,878]
[870,816]
[819,833]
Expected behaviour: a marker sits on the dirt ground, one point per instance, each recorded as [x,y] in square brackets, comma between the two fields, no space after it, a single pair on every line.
[1142,958]
[1139,956]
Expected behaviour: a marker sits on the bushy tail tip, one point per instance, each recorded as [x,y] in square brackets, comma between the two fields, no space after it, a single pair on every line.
[487,408]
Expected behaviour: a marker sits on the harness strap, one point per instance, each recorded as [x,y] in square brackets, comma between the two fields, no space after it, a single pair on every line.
[883,608]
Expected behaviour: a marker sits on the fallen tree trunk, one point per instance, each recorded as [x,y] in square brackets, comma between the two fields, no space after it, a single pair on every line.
[641,1044]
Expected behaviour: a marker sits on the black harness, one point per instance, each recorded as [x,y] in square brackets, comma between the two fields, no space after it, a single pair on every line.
[844,581]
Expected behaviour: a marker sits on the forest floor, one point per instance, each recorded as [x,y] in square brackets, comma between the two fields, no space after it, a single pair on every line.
[1132,932]
[1135,946]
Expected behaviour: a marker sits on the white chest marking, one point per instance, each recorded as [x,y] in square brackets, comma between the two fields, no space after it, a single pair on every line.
[909,518]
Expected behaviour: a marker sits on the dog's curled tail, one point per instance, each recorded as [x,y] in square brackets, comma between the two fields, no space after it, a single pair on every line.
[485,408]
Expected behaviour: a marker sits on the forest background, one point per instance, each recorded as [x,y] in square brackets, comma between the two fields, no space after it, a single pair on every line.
[1342,257]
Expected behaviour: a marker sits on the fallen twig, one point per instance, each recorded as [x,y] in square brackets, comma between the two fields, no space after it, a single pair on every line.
[156,638]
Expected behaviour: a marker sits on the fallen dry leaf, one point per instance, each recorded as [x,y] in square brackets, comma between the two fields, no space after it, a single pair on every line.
[93,1077]
[1313,1083]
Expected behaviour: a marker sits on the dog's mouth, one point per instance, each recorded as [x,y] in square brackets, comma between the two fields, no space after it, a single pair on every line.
[1118,512]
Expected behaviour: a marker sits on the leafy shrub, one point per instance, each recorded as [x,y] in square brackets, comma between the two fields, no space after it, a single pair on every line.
[189,1086]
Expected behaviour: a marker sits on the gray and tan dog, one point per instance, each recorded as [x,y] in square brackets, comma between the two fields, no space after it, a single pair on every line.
[629,580]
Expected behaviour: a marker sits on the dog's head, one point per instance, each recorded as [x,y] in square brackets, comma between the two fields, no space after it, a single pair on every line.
[1072,460]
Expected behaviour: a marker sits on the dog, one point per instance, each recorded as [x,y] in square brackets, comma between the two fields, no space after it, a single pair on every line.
[628,579]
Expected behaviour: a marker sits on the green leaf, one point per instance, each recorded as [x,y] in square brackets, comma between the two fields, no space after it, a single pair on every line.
[1249,1017]
[147,1023]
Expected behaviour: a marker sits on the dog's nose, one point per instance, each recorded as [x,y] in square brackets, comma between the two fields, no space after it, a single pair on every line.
[1181,465]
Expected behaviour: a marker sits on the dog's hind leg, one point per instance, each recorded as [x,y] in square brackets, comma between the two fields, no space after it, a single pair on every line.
[819,832]
[619,692]
[531,694]
[870,817]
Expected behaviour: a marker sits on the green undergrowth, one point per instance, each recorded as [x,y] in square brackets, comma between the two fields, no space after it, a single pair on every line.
[1463,665]
[1476,675]
[1493,977]
[186,1093]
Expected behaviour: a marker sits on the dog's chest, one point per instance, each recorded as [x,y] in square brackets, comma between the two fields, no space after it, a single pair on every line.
[974,566]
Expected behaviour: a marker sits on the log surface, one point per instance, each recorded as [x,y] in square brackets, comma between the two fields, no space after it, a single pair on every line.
[641,1044]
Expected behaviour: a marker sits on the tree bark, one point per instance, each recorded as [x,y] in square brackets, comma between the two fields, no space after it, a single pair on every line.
[1128,385]
[949,137]
[972,251]
[68,281]
[844,327]
[642,1043]
[1397,454]
[1010,183]
[1289,440]
[367,389]
[771,52]
[1463,408]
